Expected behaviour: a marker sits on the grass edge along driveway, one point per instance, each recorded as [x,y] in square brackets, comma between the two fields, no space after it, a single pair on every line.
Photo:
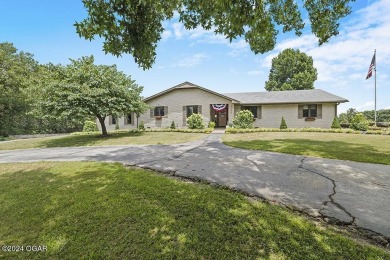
[104,210]
[132,138]
[352,147]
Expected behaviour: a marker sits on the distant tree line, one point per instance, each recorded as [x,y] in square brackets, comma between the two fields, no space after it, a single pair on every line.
[48,98]
[383,115]
[22,84]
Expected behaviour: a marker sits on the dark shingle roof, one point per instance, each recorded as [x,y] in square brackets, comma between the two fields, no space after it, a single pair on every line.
[289,96]
[188,85]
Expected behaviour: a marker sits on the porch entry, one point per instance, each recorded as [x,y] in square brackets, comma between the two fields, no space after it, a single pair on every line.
[219,114]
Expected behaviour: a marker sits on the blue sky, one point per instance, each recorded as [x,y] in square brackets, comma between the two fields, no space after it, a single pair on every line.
[45,29]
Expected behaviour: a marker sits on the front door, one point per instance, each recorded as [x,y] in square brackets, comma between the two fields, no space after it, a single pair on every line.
[219,114]
[222,117]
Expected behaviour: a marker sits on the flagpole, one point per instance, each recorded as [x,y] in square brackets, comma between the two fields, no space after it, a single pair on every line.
[375,85]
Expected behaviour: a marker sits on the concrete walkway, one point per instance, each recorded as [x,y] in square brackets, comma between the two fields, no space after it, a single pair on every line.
[349,193]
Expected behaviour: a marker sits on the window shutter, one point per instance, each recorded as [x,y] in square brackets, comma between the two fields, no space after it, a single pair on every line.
[184,115]
[165,111]
[259,112]
[152,112]
[199,109]
[300,111]
[319,111]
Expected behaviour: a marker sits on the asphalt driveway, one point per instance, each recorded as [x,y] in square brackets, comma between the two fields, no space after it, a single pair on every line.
[348,193]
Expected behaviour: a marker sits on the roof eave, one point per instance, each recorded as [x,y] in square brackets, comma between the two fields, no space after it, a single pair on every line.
[193,85]
[302,102]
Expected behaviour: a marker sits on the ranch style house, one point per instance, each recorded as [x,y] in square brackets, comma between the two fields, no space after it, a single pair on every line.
[300,108]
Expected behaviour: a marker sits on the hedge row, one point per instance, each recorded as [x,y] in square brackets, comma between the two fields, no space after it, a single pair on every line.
[181,130]
[378,124]
[317,130]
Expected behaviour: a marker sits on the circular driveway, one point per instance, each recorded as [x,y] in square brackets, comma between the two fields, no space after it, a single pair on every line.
[348,193]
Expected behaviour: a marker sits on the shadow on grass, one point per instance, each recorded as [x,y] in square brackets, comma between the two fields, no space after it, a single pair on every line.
[326,149]
[101,210]
[85,140]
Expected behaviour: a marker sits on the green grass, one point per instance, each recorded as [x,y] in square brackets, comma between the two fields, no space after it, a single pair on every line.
[89,210]
[95,140]
[359,148]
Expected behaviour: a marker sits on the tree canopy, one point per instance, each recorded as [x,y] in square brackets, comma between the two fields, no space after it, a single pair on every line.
[291,70]
[16,72]
[135,27]
[93,90]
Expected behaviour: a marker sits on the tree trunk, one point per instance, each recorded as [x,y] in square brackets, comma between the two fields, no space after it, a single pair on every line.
[103,125]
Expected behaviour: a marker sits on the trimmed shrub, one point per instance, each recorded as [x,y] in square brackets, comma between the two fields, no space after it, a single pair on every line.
[335,123]
[173,126]
[141,126]
[211,124]
[243,119]
[359,122]
[90,126]
[117,125]
[283,124]
[195,121]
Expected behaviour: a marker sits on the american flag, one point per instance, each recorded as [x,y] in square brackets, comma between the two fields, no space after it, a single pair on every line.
[372,65]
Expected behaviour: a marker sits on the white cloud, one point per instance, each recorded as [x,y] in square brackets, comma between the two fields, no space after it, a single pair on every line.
[238,47]
[191,61]
[166,35]
[303,43]
[178,30]
[369,105]
[349,54]
[202,36]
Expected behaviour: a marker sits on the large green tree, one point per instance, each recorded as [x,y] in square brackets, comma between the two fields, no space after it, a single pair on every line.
[40,120]
[16,72]
[135,26]
[291,70]
[92,90]
[346,117]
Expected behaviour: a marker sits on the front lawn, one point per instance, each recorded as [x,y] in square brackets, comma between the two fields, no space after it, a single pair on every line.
[90,210]
[132,138]
[353,147]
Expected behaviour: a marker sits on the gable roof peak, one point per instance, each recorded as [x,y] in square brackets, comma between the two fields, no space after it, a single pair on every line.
[188,85]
